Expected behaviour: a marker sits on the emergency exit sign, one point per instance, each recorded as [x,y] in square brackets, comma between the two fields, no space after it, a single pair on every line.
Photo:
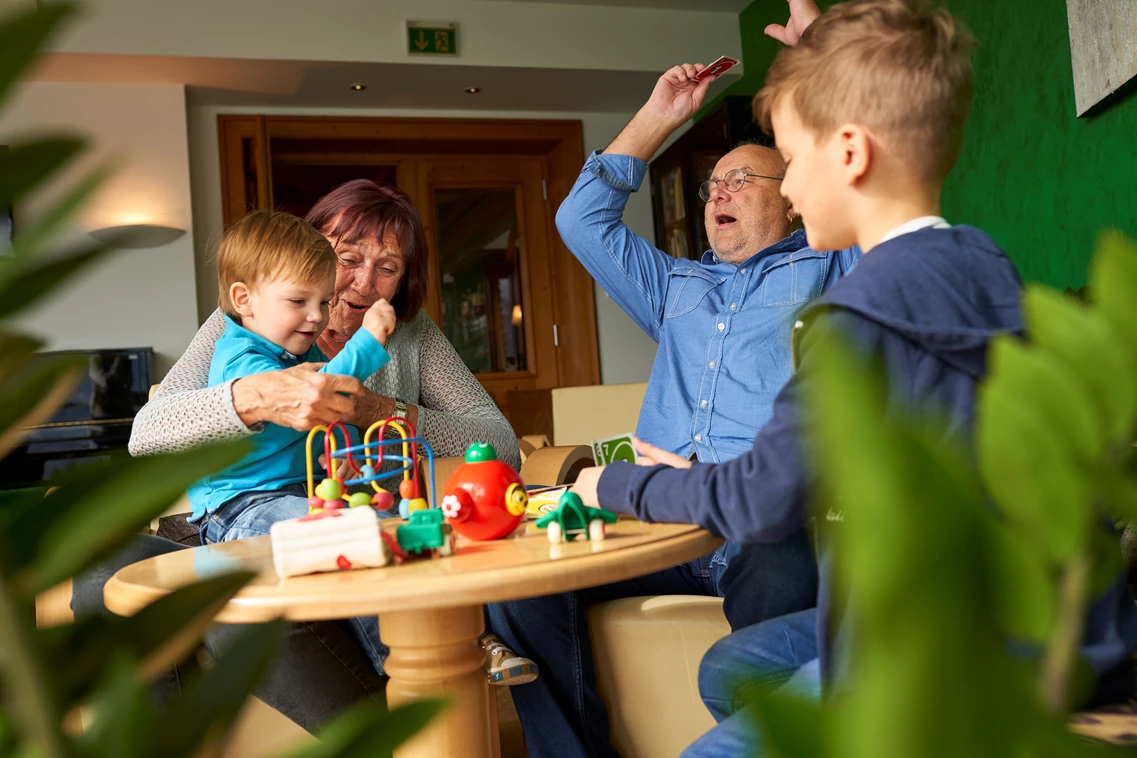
[426,38]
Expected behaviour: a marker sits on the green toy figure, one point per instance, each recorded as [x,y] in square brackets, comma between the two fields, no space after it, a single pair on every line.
[574,520]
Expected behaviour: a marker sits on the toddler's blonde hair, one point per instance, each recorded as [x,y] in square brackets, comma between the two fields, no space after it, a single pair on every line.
[267,245]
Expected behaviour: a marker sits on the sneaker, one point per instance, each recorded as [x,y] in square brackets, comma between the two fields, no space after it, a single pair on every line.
[503,666]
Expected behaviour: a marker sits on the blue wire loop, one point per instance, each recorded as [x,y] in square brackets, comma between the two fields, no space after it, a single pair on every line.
[361,450]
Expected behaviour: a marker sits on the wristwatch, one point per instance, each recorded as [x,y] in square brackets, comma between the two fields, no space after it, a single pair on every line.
[400,409]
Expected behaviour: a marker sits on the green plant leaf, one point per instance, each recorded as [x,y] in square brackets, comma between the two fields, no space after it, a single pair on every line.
[370,731]
[22,36]
[792,728]
[25,166]
[211,705]
[1087,344]
[27,285]
[1022,584]
[1113,274]
[1108,567]
[32,237]
[96,508]
[1030,471]
[15,351]
[1047,383]
[32,394]
[125,715]
[157,636]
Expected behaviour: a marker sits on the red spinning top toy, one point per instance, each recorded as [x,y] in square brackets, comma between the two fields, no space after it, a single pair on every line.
[484,498]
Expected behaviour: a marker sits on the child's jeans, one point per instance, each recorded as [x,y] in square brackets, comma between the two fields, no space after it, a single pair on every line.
[253,514]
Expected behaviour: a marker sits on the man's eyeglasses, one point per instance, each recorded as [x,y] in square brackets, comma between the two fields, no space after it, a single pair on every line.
[733,182]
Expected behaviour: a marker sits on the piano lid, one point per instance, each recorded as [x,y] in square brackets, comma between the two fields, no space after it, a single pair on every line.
[113,390]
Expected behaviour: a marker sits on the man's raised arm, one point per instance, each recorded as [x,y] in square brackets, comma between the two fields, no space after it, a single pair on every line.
[590,220]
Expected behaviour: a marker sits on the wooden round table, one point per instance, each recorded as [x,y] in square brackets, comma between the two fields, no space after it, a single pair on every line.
[430,610]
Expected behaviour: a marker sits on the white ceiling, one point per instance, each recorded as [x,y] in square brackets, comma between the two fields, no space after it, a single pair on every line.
[245,82]
[725,6]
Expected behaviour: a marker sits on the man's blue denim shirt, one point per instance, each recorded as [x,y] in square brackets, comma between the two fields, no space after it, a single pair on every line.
[723,329]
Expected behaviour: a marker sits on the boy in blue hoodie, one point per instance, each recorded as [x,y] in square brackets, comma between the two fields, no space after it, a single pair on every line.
[868,110]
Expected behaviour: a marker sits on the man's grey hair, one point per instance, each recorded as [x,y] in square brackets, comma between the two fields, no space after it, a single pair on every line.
[755,142]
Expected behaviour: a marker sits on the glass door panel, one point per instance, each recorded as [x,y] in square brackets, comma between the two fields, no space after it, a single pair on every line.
[479,262]
[491,293]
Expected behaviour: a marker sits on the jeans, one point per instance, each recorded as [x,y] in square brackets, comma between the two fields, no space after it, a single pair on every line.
[775,655]
[320,669]
[560,712]
[253,514]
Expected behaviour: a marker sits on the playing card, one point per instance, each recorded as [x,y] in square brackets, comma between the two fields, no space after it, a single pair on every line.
[717,68]
[611,449]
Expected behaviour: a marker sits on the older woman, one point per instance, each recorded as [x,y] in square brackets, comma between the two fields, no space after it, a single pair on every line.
[376,232]
[379,240]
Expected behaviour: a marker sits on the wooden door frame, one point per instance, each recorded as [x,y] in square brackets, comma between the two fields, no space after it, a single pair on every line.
[559,143]
[523,175]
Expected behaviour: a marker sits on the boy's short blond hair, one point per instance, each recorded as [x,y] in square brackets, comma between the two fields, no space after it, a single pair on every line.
[266,245]
[903,72]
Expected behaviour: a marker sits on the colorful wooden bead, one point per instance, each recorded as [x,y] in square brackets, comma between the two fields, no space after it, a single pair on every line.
[408,488]
[329,489]
[358,499]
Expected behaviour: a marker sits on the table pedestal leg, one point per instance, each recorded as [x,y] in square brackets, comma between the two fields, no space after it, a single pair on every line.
[436,653]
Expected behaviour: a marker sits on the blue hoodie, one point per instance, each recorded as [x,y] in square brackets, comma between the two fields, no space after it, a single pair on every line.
[928,304]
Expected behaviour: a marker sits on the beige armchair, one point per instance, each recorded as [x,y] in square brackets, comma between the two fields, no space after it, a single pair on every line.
[646,649]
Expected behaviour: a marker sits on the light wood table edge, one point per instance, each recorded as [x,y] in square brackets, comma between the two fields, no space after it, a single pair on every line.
[478,587]
[433,643]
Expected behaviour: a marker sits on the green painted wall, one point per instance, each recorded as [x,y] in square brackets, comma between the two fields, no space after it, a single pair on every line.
[1042,182]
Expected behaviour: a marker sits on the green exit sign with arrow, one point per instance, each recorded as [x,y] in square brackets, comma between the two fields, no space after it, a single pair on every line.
[424,38]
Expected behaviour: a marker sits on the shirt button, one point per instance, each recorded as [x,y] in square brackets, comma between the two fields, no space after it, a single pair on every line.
[698,438]
[722,326]
[711,364]
[744,271]
[702,403]
[734,306]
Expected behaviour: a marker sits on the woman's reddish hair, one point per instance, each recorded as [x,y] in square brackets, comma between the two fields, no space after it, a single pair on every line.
[362,209]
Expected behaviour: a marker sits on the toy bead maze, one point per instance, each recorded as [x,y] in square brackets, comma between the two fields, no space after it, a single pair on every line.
[484,499]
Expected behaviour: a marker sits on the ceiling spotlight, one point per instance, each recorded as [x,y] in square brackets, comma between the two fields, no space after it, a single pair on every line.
[473,90]
[359,87]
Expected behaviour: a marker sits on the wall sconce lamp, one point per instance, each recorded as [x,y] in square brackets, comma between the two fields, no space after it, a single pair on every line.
[516,316]
[137,236]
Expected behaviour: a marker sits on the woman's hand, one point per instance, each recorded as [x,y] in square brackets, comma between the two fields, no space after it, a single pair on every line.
[648,454]
[369,407]
[299,397]
[802,14]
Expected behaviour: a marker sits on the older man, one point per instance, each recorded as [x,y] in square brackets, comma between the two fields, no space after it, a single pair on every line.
[723,326]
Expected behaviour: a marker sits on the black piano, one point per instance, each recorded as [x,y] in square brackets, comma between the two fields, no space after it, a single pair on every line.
[94,422]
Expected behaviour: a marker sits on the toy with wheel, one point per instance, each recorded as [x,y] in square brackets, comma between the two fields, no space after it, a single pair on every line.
[484,499]
[426,532]
[574,520]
